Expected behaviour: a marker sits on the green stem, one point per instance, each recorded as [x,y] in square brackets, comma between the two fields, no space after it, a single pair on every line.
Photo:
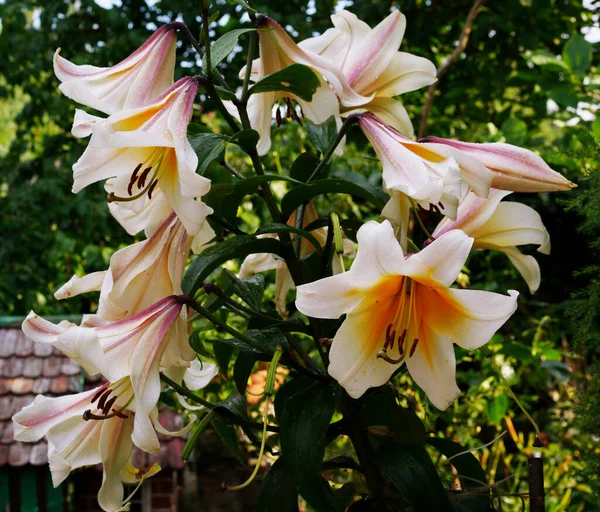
[249,59]
[415,208]
[488,353]
[350,120]
[195,435]
[186,299]
[232,170]
[206,40]
[188,394]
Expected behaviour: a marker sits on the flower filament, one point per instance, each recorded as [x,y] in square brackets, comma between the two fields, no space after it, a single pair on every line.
[106,402]
[405,322]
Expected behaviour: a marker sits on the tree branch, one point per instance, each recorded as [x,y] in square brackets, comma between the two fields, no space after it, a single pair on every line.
[462,43]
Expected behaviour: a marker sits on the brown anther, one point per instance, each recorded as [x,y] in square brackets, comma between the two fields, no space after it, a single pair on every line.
[152,187]
[401,339]
[223,486]
[103,399]
[143,176]
[278,117]
[434,208]
[133,179]
[119,414]
[441,205]
[295,116]
[97,395]
[388,335]
[109,404]
[414,347]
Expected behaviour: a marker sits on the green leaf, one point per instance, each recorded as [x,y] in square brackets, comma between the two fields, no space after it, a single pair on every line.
[380,409]
[296,79]
[321,135]
[226,94]
[221,199]
[596,127]
[223,355]
[209,147]
[246,140]
[412,472]
[547,60]
[565,96]
[577,54]
[303,166]
[269,339]
[515,131]
[250,290]
[559,370]
[304,409]
[284,228]
[304,193]
[242,370]
[234,406]
[466,464]
[228,434]
[224,46]
[467,502]
[278,492]
[242,3]
[211,258]
[496,408]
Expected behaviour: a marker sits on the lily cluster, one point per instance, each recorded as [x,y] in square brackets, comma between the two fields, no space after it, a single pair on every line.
[397,299]
[140,327]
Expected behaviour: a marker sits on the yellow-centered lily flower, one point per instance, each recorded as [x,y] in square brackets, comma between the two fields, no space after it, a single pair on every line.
[502,227]
[131,83]
[145,150]
[373,66]
[136,348]
[89,428]
[401,309]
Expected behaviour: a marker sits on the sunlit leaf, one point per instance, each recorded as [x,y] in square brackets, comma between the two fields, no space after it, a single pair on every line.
[296,79]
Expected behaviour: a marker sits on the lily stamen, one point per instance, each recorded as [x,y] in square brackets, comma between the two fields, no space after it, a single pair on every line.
[414,347]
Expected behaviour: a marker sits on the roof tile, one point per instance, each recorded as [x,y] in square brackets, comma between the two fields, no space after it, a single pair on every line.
[6,406]
[52,366]
[6,432]
[18,454]
[19,402]
[24,346]
[39,454]
[60,385]
[43,349]
[70,367]
[41,385]
[32,367]
[9,342]
[74,385]
[21,385]
[15,367]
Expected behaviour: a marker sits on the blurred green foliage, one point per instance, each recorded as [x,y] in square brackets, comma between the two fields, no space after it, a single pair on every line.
[527,77]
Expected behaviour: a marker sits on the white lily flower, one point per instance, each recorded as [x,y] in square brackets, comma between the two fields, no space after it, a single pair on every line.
[278,51]
[429,174]
[502,227]
[88,428]
[144,149]
[139,275]
[131,83]
[402,309]
[373,66]
[136,347]
[513,168]
[261,262]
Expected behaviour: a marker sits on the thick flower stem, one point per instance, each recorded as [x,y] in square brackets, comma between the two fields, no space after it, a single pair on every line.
[350,120]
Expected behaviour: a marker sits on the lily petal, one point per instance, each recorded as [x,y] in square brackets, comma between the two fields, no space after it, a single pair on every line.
[199,374]
[143,75]
[526,265]
[514,168]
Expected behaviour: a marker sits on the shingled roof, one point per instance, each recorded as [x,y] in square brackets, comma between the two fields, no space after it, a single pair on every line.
[28,369]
